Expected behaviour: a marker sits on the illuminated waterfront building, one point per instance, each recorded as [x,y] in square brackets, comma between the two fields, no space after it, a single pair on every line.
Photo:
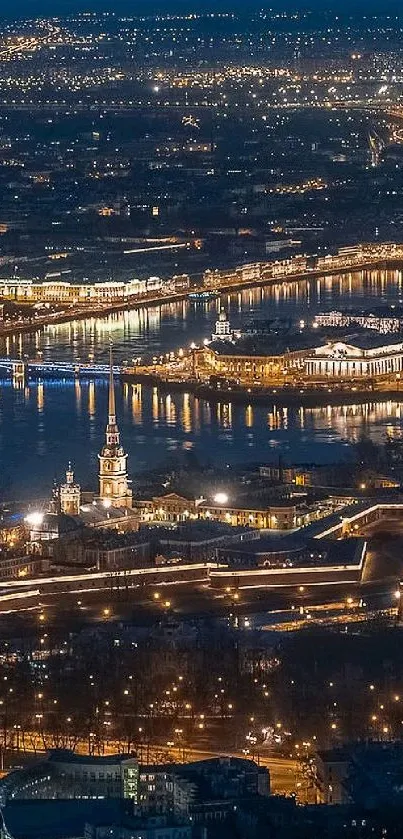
[263,516]
[70,495]
[60,291]
[381,323]
[369,356]
[247,367]
[365,356]
[113,479]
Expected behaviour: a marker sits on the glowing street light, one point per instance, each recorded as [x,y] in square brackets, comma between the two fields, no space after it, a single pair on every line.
[221,498]
[34,519]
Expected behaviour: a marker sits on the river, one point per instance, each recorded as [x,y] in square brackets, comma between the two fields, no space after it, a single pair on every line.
[43,425]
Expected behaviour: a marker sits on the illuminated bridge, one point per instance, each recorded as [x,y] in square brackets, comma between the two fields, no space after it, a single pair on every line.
[18,367]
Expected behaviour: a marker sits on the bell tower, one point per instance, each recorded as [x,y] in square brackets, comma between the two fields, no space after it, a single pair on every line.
[113,480]
[70,494]
[223,330]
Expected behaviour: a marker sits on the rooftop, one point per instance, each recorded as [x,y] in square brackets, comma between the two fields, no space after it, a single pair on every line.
[67,756]
[372,340]
[97,513]
[270,345]
[306,340]
[250,503]
[194,531]
[373,752]
[109,539]
[308,552]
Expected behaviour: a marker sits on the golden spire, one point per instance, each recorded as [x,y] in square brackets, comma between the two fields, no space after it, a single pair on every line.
[112,431]
[112,406]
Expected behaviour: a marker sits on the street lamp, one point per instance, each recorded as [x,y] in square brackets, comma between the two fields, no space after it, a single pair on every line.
[221,498]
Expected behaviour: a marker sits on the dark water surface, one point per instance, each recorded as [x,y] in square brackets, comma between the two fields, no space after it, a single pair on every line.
[43,425]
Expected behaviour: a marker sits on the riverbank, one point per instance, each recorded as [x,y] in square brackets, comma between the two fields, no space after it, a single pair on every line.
[286,396]
[146,301]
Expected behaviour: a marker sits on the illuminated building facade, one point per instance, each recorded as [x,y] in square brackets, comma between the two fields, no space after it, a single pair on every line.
[249,368]
[273,517]
[113,479]
[370,356]
[57,290]
[382,323]
[170,507]
[222,328]
[361,360]
[70,495]
[93,776]
[175,508]
[21,567]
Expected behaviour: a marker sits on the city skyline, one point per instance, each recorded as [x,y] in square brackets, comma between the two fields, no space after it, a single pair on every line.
[201,420]
[39,7]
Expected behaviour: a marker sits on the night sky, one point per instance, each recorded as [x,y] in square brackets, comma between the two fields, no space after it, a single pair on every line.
[13,8]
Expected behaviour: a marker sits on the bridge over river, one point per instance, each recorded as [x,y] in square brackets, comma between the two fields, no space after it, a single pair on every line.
[20,368]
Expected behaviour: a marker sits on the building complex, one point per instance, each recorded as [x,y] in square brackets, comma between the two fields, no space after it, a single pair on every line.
[59,290]
[358,357]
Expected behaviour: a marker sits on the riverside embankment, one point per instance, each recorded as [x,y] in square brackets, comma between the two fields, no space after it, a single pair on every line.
[99,310]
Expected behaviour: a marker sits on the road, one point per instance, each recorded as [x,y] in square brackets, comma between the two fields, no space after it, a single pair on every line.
[27,44]
[283,770]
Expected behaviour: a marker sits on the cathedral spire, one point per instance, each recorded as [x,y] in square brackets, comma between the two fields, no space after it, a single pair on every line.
[69,474]
[113,478]
[112,405]
[112,431]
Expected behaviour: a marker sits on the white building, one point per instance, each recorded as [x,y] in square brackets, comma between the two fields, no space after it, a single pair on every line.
[135,287]
[368,357]
[223,330]
[154,284]
[90,776]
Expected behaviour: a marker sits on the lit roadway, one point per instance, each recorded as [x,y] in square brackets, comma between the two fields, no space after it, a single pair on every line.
[283,770]
[31,43]
[258,609]
[398,136]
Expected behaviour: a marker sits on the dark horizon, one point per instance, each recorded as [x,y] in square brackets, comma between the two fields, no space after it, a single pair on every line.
[33,8]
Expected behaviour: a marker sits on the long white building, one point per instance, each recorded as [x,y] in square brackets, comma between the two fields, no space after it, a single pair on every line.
[369,356]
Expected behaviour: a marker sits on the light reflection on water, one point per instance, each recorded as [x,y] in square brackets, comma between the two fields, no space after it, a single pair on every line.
[171,325]
[43,425]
